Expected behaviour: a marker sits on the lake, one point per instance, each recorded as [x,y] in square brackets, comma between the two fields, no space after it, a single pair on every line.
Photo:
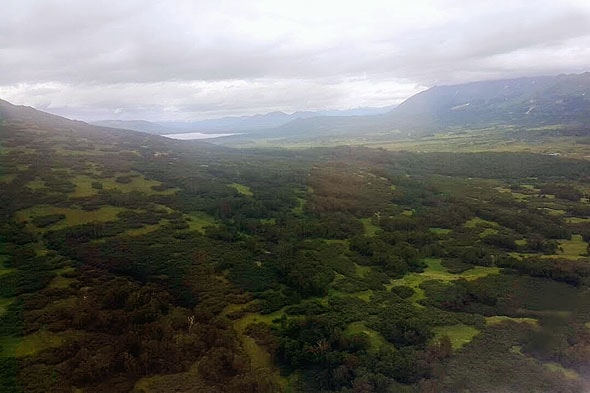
[195,135]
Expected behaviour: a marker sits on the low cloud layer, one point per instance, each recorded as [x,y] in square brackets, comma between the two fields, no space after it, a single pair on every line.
[175,60]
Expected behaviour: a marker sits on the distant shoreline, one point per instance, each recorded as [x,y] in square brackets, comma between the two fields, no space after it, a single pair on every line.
[195,135]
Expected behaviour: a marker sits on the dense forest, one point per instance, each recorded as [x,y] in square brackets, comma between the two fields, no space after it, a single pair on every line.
[134,263]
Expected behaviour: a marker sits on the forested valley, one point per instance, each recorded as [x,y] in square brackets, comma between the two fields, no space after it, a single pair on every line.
[134,263]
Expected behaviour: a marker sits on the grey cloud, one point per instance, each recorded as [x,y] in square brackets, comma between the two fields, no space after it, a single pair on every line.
[180,58]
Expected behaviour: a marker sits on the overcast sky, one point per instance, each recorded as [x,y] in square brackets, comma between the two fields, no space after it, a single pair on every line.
[181,59]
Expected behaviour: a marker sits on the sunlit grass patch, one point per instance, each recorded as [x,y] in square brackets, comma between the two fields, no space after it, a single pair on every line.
[242,189]
[370,228]
[198,221]
[574,248]
[3,269]
[36,184]
[376,340]
[496,319]
[134,182]
[576,220]
[361,270]
[73,216]
[436,271]
[459,334]
[8,178]
[142,231]
[567,372]
[59,281]
[439,231]
[29,345]
[476,221]
[4,303]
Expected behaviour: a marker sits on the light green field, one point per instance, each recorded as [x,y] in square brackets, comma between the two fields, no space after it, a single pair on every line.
[476,221]
[370,228]
[73,216]
[516,195]
[199,220]
[376,340]
[440,231]
[143,230]
[496,319]
[459,334]
[59,281]
[574,249]
[4,270]
[299,208]
[487,232]
[29,345]
[7,178]
[138,183]
[436,271]
[242,189]
[4,303]
[567,372]
[361,270]
[36,184]
[553,212]
[576,220]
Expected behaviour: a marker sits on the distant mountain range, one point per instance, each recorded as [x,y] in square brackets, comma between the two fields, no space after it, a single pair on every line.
[523,102]
[235,123]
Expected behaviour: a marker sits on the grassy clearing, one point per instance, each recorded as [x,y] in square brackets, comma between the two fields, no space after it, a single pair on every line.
[4,270]
[7,178]
[143,230]
[35,184]
[436,271]
[298,210]
[242,189]
[4,303]
[496,319]
[361,271]
[575,248]
[29,345]
[487,232]
[516,195]
[370,228]
[199,220]
[567,372]
[440,231]
[476,221]
[459,334]
[576,220]
[59,281]
[138,183]
[376,340]
[73,216]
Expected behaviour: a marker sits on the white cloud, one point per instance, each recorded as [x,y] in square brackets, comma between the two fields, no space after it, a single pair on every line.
[197,59]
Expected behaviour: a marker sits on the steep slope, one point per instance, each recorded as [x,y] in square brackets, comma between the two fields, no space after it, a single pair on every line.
[523,102]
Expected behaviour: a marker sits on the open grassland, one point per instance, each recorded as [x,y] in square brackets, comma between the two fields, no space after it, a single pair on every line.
[4,303]
[459,334]
[72,216]
[133,182]
[3,269]
[376,340]
[436,271]
[370,228]
[476,221]
[31,344]
[242,189]
[198,221]
[574,248]
[496,319]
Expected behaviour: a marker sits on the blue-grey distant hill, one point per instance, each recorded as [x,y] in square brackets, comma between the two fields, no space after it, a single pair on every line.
[234,123]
